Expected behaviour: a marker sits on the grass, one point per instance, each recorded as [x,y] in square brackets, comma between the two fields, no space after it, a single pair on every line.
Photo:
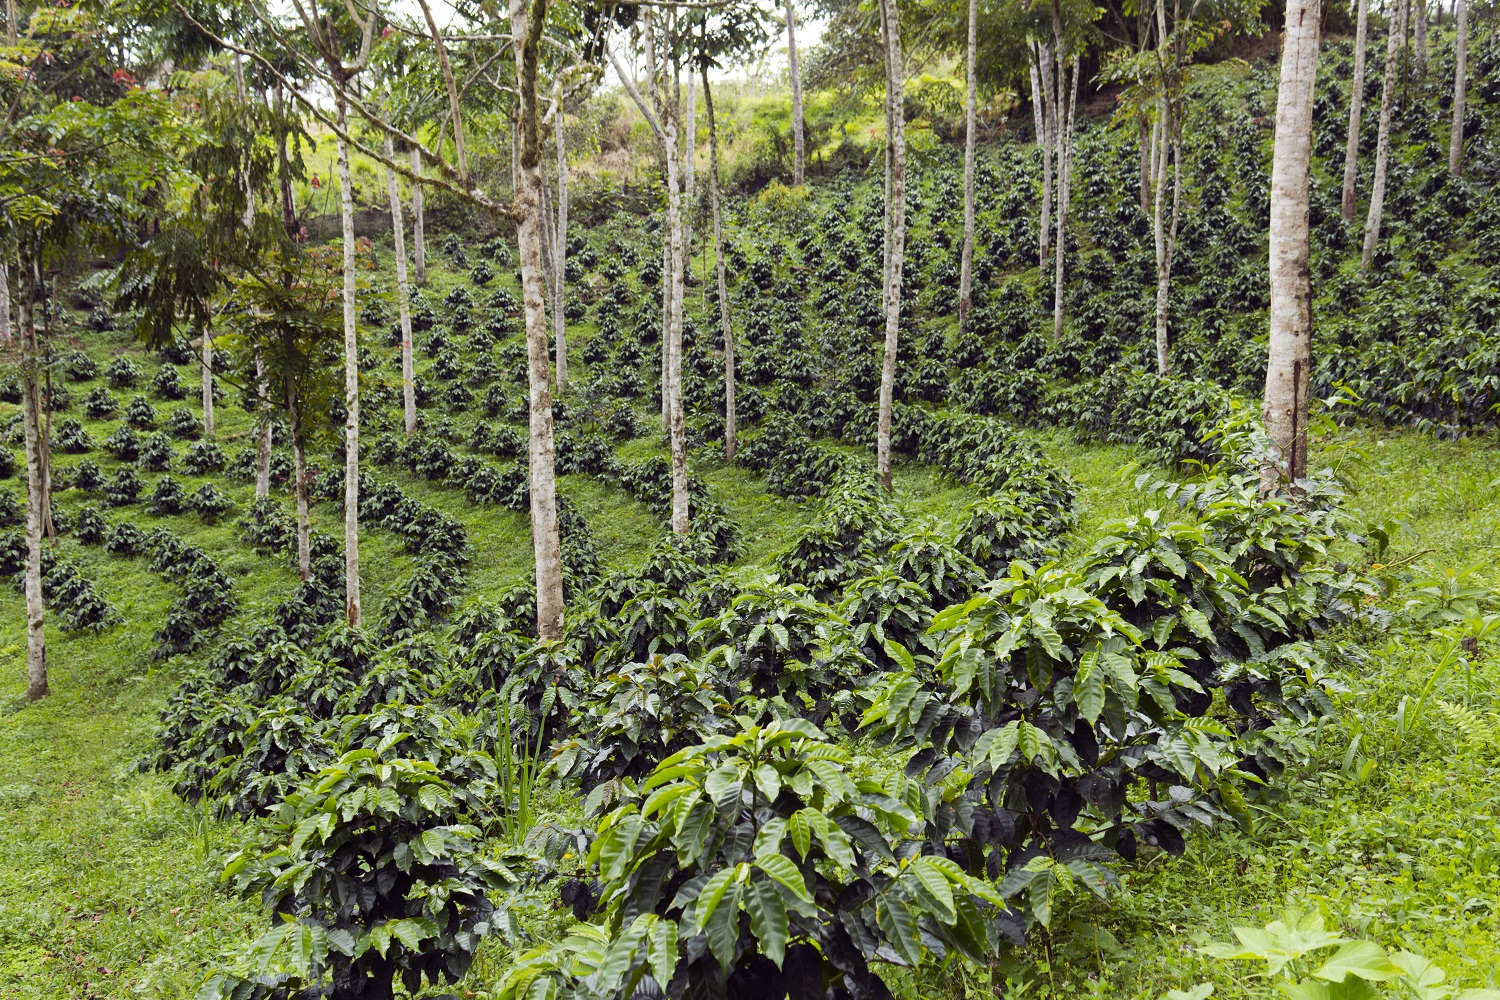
[107,880]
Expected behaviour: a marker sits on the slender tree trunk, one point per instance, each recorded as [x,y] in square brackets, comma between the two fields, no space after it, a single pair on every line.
[44,441]
[1148,161]
[515,158]
[292,227]
[1041,103]
[37,500]
[971,126]
[1356,109]
[1159,233]
[1460,74]
[403,293]
[418,237]
[895,208]
[299,461]
[208,383]
[1289,364]
[799,125]
[526,28]
[351,381]
[730,438]
[549,251]
[5,335]
[1419,38]
[1383,145]
[673,389]
[666,317]
[560,258]
[263,435]
[1066,105]
[690,144]
[1158,216]
[1167,238]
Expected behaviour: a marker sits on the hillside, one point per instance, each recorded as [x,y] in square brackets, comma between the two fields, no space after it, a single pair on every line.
[1237,706]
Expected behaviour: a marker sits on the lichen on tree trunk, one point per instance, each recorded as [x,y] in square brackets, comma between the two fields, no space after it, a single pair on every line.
[403,292]
[895,243]
[36,484]
[526,26]
[1289,358]
[351,382]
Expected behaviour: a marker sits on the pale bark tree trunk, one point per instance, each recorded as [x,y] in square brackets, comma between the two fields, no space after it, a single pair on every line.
[690,143]
[526,30]
[37,500]
[403,292]
[666,322]
[664,123]
[263,436]
[1419,38]
[1066,105]
[515,157]
[1148,161]
[673,389]
[208,383]
[971,119]
[1396,37]
[351,381]
[1041,103]
[299,488]
[1166,235]
[1356,109]
[560,256]
[1163,146]
[4,303]
[549,252]
[895,208]
[1460,73]
[799,125]
[730,437]
[292,228]
[1289,362]
[418,237]
[44,440]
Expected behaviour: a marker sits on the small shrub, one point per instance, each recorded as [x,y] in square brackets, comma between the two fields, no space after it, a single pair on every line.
[156,453]
[99,404]
[79,367]
[88,477]
[168,383]
[140,414]
[71,439]
[183,424]
[124,488]
[123,444]
[167,498]
[91,527]
[203,458]
[124,539]
[382,847]
[122,374]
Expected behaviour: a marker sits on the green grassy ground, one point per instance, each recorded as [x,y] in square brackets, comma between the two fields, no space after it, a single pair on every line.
[107,880]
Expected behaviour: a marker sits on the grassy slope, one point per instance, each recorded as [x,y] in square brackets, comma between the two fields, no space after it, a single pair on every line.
[104,869]
[107,879]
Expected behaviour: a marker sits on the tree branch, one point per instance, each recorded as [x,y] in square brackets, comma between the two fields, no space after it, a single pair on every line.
[635,95]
